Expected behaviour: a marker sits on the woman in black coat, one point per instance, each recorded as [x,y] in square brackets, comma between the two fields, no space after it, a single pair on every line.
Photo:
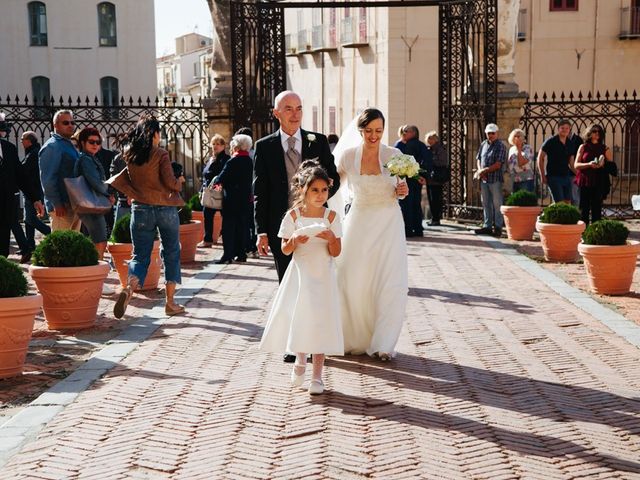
[235,178]
[211,170]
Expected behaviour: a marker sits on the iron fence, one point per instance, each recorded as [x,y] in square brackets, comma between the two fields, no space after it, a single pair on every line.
[619,116]
[184,132]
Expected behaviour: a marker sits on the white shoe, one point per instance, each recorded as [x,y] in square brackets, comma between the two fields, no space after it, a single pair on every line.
[107,290]
[384,357]
[316,387]
[297,380]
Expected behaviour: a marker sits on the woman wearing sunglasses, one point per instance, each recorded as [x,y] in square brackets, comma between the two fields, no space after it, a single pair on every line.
[91,169]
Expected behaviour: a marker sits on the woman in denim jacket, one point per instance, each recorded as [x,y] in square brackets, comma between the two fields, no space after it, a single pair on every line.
[91,169]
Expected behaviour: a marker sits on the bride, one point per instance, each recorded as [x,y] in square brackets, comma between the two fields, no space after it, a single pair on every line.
[372,269]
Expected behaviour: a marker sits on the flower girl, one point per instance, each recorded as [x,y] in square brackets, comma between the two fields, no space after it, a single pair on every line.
[305,317]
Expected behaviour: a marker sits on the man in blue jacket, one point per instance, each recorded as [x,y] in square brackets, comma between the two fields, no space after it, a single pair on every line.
[57,158]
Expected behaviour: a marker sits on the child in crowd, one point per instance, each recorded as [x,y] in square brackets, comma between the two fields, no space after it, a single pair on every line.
[305,317]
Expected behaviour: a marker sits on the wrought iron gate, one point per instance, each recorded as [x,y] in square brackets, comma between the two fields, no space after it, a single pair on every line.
[468,76]
[183,125]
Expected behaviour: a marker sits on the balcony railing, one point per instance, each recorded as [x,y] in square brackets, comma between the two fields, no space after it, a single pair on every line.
[353,32]
[324,38]
[290,45]
[522,25]
[304,41]
[629,22]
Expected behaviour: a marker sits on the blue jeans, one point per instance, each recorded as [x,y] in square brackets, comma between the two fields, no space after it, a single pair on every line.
[560,188]
[33,223]
[491,194]
[145,221]
[526,185]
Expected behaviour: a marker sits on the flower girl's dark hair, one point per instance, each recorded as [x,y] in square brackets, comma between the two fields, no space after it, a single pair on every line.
[309,172]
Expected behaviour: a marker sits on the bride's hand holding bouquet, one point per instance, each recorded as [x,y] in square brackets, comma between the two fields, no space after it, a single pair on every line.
[403,166]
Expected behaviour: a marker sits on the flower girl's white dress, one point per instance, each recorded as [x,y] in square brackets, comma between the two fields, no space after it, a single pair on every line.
[305,316]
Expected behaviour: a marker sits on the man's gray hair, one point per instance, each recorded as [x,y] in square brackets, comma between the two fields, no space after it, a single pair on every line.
[241,142]
[56,116]
[281,96]
[31,136]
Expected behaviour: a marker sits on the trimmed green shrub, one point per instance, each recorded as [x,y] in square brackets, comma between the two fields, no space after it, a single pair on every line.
[194,203]
[185,215]
[65,248]
[606,232]
[121,232]
[560,214]
[522,198]
[13,283]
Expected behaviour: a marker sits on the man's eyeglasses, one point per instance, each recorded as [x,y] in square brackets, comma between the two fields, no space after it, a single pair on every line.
[66,123]
[491,133]
[94,142]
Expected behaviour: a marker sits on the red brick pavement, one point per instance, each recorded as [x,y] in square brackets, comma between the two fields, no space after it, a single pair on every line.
[497,377]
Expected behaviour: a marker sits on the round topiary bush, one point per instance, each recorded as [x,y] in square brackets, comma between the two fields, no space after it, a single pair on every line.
[65,248]
[522,198]
[194,203]
[13,283]
[560,214]
[185,215]
[121,232]
[606,232]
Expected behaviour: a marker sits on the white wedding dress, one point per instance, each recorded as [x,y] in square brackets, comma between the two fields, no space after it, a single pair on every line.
[372,267]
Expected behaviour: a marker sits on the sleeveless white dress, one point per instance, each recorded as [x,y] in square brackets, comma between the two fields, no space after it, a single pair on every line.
[305,316]
[372,268]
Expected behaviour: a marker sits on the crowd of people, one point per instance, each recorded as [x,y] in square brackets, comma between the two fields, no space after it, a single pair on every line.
[320,205]
[574,168]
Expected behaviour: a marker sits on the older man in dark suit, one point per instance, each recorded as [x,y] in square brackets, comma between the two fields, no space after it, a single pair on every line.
[277,158]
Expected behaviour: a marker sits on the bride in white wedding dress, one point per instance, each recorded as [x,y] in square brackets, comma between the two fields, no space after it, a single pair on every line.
[372,268]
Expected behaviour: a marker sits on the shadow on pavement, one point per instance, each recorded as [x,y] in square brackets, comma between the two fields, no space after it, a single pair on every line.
[471,300]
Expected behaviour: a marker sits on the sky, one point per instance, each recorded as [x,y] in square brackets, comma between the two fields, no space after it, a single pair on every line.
[177,17]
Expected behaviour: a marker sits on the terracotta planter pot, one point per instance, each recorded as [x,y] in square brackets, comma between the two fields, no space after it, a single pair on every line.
[520,221]
[189,238]
[70,295]
[560,242]
[16,324]
[121,254]
[199,216]
[610,267]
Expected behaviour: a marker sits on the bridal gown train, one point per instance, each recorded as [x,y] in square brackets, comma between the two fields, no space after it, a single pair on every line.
[372,267]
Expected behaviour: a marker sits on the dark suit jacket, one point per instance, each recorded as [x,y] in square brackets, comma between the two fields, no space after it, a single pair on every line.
[213,169]
[235,178]
[32,169]
[270,185]
[13,177]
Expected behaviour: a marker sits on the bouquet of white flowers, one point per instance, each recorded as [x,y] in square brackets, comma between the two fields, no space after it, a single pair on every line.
[403,166]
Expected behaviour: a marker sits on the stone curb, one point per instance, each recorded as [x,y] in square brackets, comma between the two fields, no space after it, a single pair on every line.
[26,424]
[617,323]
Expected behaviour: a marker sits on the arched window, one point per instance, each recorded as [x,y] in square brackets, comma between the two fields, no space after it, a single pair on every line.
[110,96]
[37,24]
[41,96]
[107,24]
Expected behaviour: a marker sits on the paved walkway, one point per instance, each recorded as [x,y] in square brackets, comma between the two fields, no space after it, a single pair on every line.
[498,377]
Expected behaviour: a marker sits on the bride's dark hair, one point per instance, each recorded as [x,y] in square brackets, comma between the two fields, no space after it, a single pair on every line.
[368,116]
[309,172]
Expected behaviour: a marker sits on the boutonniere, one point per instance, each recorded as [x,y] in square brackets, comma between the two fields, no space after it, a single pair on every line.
[311,137]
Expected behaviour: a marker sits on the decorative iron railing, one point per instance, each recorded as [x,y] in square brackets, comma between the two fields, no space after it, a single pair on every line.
[619,116]
[184,132]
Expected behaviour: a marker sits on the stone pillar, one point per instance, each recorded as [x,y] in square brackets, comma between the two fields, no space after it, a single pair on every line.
[510,99]
[221,65]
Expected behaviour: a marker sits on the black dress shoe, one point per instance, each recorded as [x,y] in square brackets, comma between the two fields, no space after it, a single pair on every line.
[483,231]
[433,223]
[241,259]
[222,260]
[497,232]
[289,358]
